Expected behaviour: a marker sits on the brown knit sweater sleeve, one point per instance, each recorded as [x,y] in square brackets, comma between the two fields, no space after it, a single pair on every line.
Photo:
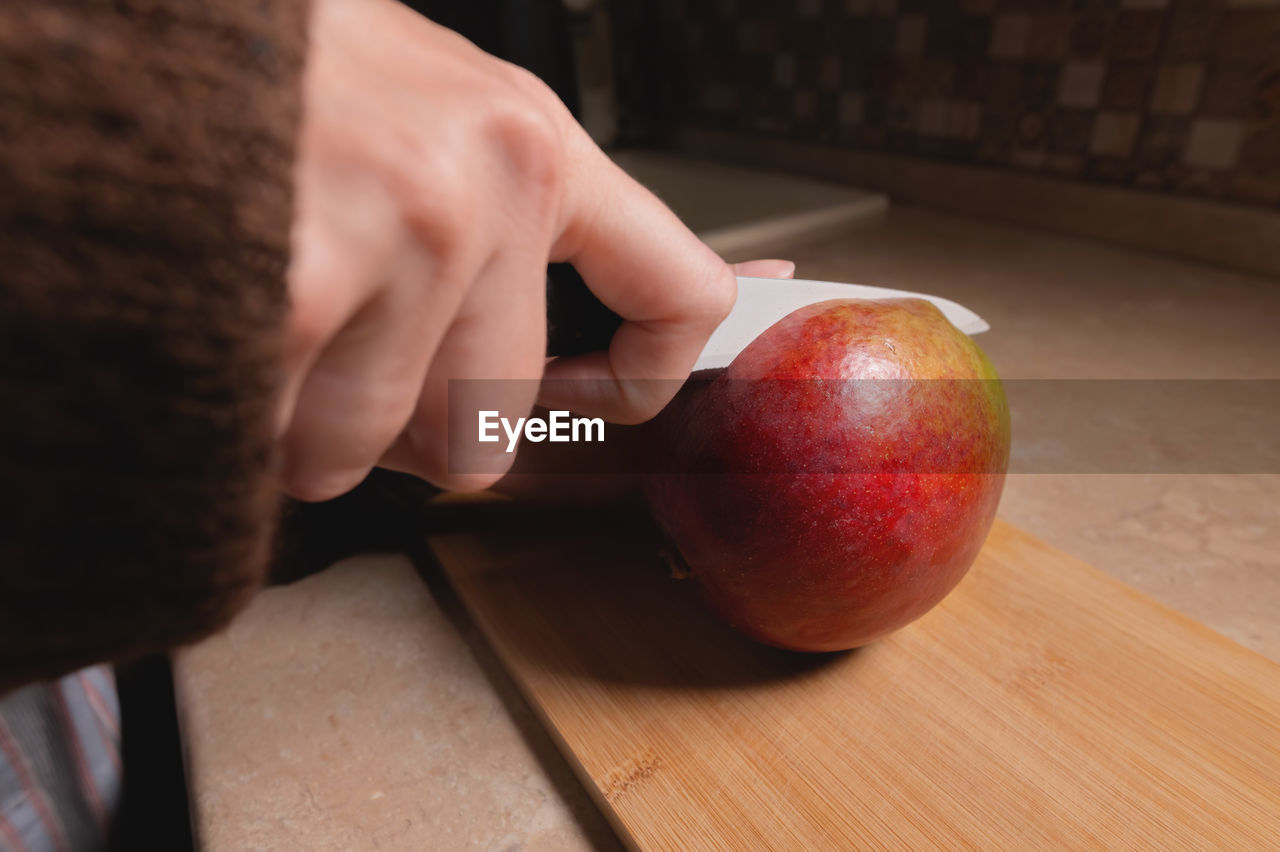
[146,151]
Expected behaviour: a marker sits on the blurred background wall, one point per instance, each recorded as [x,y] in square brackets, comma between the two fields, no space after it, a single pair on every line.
[1180,97]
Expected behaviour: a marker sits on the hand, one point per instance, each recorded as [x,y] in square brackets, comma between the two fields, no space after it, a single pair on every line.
[615,467]
[434,184]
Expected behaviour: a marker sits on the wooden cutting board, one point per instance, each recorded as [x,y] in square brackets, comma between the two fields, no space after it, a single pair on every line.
[1043,705]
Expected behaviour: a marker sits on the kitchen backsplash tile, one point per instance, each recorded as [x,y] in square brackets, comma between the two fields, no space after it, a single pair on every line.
[1080,83]
[1176,96]
[1127,85]
[1177,88]
[1114,134]
[1215,143]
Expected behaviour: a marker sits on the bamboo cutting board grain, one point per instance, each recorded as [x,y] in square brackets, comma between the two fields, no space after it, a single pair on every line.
[1043,705]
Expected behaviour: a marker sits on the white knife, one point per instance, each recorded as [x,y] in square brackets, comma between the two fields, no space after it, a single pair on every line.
[764,301]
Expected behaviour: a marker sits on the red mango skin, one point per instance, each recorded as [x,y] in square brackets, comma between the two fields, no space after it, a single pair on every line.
[819,514]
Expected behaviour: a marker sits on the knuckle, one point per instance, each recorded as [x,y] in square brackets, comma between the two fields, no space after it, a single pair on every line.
[440,207]
[532,88]
[703,295]
[716,298]
[428,458]
[313,319]
[707,298]
[339,433]
[384,411]
[638,405]
[527,132]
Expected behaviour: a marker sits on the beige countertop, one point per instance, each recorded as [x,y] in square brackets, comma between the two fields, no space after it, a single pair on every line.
[361,709]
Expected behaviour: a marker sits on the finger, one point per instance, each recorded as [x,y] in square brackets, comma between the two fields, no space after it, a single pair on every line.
[490,359]
[771,268]
[670,289]
[360,392]
[341,254]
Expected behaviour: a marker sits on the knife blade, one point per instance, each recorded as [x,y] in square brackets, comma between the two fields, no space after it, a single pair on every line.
[764,301]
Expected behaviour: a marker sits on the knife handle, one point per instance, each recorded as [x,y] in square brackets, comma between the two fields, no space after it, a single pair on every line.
[577,321]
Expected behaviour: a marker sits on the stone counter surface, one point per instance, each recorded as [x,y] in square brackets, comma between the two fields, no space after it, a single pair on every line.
[361,709]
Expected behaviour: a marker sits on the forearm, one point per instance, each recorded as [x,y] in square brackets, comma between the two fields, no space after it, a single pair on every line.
[145,207]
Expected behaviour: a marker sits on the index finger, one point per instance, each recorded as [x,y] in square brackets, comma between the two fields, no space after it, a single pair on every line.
[640,260]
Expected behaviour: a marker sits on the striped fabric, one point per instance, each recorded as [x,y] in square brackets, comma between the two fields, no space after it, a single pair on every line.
[60,769]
